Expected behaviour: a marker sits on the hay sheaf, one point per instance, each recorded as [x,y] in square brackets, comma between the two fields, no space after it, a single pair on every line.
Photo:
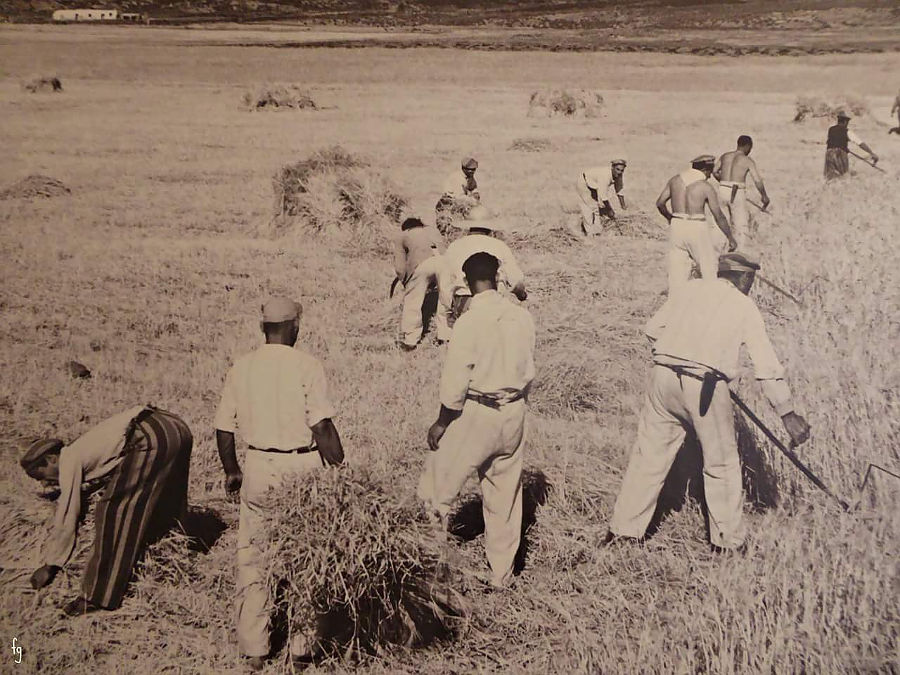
[815,106]
[279,97]
[531,145]
[42,84]
[35,185]
[336,193]
[363,570]
[569,103]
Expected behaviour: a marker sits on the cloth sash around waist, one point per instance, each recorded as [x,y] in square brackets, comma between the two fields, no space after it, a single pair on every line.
[495,400]
[688,216]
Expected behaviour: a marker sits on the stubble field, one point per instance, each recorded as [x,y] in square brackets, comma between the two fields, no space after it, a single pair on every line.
[152,270]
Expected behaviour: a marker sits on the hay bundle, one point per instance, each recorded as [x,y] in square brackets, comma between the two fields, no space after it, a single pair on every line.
[35,185]
[371,570]
[814,106]
[531,145]
[579,102]
[337,193]
[42,84]
[277,97]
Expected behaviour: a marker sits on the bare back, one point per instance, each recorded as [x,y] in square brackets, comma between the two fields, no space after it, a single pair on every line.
[687,198]
[696,196]
[735,166]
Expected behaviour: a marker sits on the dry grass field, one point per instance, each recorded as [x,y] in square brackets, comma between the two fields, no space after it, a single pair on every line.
[151,271]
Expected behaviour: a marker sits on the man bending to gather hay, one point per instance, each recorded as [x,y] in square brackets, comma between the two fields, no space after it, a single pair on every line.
[481,424]
[143,455]
[278,397]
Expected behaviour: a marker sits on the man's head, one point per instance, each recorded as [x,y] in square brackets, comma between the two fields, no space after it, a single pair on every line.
[281,321]
[41,460]
[618,167]
[481,272]
[480,221]
[745,144]
[469,164]
[843,118]
[704,163]
[739,269]
[411,222]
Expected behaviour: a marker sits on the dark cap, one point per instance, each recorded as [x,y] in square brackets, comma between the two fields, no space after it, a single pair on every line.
[842,115]
[38,450]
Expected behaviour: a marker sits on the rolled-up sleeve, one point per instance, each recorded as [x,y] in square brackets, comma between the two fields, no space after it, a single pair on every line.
[458,366]
[61,541]
[766,365]
[509,267]
[318,404]
[226,413]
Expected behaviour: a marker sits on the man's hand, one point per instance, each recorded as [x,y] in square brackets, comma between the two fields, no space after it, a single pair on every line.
[874,158]
[43,576]
[732,244]
[521,294]
[233,482]
[765,202]
[796,427]
[435,433]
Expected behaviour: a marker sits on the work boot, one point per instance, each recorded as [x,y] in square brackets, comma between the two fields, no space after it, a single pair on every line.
[80,606]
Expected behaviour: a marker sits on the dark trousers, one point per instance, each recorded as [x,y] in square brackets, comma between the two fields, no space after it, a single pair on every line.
[146,493]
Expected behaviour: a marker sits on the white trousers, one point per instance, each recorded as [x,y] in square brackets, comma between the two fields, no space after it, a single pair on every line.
[738,213]
[425,276]
[262,471]
[690,240]
[590,207]
[670,403]
[489,442]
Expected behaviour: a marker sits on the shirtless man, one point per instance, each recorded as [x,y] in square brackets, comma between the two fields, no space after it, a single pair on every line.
[731,171]
[689,236]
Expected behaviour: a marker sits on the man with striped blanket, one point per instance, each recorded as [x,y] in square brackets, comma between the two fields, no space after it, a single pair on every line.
[143,455]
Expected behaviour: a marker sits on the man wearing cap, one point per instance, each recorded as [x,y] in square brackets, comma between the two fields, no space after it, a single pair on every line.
[697,336]
[278,398]
[460,194]
[454,291]
[731,171]
[417,263]
[690,238]
[837,160]
[481,423]
[593,187]
[142,456]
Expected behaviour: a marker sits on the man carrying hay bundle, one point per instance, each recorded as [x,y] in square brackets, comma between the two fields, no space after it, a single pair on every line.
[689,236]
[593,187]
[481,424]
[731,171]
[277,396]
[697,338]
[837,160]
[454,291]
[459,196]
[417,263]
[143,456]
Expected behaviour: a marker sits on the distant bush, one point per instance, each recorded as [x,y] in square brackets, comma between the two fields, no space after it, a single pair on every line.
[336,193]
[289,96]
[35,185]
[813,106]
[579,102]
[42,84]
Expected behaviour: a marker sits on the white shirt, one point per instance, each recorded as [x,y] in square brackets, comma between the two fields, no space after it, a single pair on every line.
[455,185]
[274,395]
[491,350]
[600,178]
[453,281]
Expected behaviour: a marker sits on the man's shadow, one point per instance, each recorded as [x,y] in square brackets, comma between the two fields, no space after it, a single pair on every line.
[467,522]
[685,478]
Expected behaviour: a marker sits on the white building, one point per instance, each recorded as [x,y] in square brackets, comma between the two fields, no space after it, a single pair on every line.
[65,15]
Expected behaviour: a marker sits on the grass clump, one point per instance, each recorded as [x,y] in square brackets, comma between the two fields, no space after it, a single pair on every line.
[42,84]
[278,97]
[531,145]
[35,185]
[576,103]
[816,106]
[337,193]
[370,569]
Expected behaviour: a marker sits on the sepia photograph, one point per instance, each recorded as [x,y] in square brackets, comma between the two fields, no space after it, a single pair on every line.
[450,336]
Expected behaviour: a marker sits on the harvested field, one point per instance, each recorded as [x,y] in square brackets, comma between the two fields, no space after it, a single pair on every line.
[151,272]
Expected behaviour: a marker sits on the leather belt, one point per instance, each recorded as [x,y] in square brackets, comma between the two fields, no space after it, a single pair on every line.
[709,379]
[495,401]
[298,451]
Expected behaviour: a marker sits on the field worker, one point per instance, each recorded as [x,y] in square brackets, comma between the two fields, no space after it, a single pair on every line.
[481,424]
[731,171]
[460,194]
[593,187]
[277,396]
[142,456]
[837,161]
[454,291]
[689,235]
[696,338]
[895,109]
[417,263]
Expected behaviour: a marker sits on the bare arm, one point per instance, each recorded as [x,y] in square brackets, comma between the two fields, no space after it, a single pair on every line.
[871,154]
[758,181]
[664,197]
[228,456]
[713,200]
[717,169]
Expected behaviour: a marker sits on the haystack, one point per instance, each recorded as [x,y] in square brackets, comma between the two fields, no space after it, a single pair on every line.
[278,97]
[531,145]
[570,103]
[42,84]
[35,185]
[338,194]
[815,106]
[364,570]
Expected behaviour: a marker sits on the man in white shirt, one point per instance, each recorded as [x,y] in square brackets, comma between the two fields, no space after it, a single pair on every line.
[454,291]
[481,424]
[143,456]
[460,193]
[277,397]
[594,186]
[696,337]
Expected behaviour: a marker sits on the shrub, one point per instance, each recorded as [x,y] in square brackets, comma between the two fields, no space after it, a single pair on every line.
[35,185]
[564,102]
[814,106]
[43,84]
[288,96]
